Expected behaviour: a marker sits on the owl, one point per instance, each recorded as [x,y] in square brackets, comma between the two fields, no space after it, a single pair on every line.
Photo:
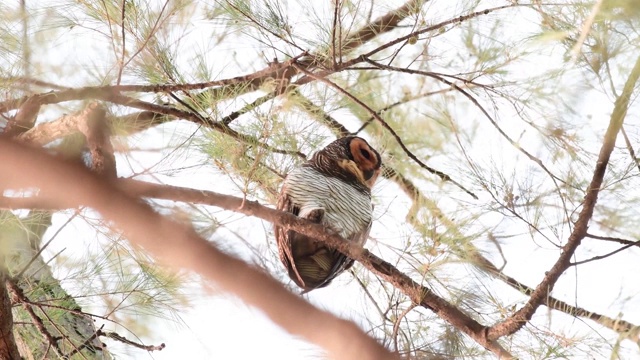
[333,188]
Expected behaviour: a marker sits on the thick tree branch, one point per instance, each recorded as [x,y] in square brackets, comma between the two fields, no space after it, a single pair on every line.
[239,280]
[8,346]
[24,119]
[419,294]
[16,292]
[622,327]
[381,25]
[520,317]
[52,130]
[69,185]
[98,135]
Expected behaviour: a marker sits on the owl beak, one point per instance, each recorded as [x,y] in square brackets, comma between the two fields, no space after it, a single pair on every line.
[371,176]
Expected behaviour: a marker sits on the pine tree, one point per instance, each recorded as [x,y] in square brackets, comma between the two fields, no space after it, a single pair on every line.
[507,130]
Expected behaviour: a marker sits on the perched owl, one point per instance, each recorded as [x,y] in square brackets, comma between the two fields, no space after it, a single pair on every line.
[332,188]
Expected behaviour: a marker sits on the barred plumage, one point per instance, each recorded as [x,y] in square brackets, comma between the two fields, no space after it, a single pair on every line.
[332,188]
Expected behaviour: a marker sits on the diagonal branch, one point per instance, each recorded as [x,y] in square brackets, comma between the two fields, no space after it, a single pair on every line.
[17,293]
[381,25]
[384,124]
[98,135]
[418,293]
[25,118]
[520,317]
[622,327]
[69,185]
[168,240]
[8,346]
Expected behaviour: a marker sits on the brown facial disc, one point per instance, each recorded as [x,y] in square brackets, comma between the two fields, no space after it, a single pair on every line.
[366,158]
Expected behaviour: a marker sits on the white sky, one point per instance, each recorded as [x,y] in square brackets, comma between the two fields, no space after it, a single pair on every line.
[220,326]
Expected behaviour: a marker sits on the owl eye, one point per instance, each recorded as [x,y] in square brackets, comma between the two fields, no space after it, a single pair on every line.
[365,153]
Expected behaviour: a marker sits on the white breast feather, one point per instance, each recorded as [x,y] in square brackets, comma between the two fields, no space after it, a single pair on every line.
[347,210]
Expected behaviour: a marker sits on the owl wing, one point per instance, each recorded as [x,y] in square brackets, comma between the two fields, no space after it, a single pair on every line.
[342,262]
[293,248]
[311,264]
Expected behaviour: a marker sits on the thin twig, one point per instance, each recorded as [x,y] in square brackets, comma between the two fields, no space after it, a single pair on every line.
[600,257]
[124,42]
[632,153]
[610,238]
[336,14]
[248,107]
[524,314]
[85,344]
[396,325]
[373,113]
[150,34]
[122,339]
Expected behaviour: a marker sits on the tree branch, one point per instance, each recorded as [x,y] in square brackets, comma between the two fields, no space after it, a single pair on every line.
[8,346]
[122,339]
[37,321]
[231,273]
[98,134]
[24,119]
[622,327]
[393,133]
[419,294]
[381,25]
[69,185]
[523,315]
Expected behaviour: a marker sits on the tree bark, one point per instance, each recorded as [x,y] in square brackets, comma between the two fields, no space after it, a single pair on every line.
[8,347]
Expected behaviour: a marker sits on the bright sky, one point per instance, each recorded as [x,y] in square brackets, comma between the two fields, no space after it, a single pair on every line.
[220,326]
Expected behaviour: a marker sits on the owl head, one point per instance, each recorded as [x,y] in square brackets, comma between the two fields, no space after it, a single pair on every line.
[350,158]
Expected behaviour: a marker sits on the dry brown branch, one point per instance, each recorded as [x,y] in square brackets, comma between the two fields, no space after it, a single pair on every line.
[49,131]
[67,184]
[393,133]
[19,297]
[24,119]
[417,293]
[524,314]
[97,133]
[381,25]
[122,339]
[622,327]
[8,346]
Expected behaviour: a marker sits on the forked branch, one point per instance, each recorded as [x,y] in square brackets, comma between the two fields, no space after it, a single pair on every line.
[69,185]
[524,314]
[181,247]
